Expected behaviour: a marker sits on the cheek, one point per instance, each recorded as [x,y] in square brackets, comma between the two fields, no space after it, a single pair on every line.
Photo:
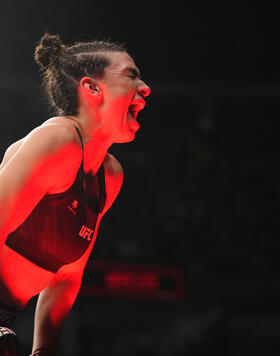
[121,88]
[116,110]
[121,104]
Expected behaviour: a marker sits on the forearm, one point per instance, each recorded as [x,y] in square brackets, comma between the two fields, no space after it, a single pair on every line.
[3,225]
[53,306]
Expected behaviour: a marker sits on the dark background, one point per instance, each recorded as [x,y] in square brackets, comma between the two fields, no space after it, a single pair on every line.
[201,179]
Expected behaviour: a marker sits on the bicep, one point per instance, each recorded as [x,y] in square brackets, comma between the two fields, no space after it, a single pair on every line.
[20,187]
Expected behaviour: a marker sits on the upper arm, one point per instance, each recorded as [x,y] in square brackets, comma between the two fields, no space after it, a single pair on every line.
[46,153]
[113,179]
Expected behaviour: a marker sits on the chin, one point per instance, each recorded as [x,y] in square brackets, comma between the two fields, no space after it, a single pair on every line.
[127,134]
[126,139]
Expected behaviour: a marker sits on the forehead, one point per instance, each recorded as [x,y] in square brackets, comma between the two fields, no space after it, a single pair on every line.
[119,61]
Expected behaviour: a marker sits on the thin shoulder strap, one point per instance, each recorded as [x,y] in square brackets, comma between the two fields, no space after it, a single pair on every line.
[80,138]
[81,169]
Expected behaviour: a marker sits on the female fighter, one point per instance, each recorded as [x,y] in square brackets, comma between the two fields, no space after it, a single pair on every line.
[57,182]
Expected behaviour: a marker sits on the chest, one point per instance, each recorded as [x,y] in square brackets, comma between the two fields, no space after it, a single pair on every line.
[93,191]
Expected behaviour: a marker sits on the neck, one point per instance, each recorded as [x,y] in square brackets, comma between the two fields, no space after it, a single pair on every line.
[96,144]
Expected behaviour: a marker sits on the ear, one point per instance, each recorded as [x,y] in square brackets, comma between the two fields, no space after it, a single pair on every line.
[90,85]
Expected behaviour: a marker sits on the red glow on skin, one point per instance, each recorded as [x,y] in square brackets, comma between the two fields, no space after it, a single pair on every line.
[110,118]
[49,169]
[107,100]
[20,279]
[61,296]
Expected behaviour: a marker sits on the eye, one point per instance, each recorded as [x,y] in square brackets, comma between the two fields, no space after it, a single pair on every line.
[133,76]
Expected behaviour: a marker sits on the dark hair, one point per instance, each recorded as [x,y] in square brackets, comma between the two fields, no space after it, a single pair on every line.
[63,67]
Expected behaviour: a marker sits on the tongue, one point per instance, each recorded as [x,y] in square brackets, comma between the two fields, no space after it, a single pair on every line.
[132,123]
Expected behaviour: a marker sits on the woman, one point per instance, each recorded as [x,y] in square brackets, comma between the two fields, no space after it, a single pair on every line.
[58,181]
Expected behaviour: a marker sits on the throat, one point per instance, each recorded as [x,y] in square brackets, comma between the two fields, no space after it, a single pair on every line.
[93,158]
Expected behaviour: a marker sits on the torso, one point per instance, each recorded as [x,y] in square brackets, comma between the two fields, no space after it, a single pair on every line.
[11,293]
[15,289]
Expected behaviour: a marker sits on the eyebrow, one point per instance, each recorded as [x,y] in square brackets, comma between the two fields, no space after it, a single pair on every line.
[133,71]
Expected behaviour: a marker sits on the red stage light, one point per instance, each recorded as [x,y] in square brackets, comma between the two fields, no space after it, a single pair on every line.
[133,281]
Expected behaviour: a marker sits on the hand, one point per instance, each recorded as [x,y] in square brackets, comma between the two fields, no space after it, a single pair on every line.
[9,344]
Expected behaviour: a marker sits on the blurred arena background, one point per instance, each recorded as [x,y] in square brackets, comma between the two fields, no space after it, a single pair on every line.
[186,262]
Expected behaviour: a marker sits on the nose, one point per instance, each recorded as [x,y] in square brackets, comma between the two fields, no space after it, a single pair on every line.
[144,90]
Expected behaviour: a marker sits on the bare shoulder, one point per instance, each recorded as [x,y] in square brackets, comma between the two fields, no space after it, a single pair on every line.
[44,137]
[50,152]
[113,179]
[53,134]
[58,132]
[53,144]
[112,165]
[48,158]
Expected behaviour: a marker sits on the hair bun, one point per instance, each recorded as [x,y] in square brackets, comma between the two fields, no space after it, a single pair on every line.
[48,50]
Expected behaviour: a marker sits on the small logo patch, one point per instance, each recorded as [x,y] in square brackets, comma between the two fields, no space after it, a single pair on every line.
[73,206]
[86,232]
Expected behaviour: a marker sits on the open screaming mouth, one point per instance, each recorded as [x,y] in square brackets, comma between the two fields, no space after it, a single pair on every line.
[134,108]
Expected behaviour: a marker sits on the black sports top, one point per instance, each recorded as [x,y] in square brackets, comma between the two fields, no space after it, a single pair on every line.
[61,226]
